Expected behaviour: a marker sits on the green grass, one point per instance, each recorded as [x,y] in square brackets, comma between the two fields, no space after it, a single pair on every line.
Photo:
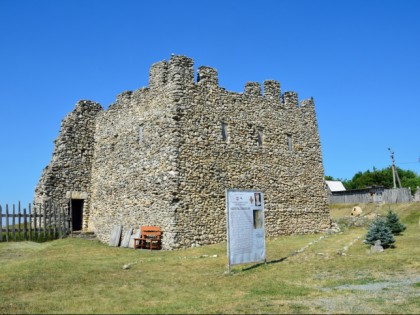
[79,276]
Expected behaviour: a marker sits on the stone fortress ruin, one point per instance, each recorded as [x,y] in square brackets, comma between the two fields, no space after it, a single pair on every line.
[165,154]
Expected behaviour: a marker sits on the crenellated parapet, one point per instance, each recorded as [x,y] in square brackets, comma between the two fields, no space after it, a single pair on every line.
[177,75]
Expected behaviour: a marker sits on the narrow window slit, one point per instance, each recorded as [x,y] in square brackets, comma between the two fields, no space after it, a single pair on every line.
[224,132]
[289,142]
[141,133]
[260,137]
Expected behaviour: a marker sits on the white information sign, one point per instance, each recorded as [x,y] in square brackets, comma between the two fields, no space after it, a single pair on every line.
[245,226]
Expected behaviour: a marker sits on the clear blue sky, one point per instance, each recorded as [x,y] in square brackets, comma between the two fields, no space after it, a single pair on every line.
[360,61]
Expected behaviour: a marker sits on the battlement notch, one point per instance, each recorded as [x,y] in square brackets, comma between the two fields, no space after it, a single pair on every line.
[253,89]
[290,100]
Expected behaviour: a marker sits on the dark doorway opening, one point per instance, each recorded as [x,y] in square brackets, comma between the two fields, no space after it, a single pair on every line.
[77,214]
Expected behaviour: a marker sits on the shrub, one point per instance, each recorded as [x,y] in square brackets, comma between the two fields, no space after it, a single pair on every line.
[378,230]
[393,222]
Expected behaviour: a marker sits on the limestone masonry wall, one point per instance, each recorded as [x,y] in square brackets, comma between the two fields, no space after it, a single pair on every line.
[71,163]
[164,155]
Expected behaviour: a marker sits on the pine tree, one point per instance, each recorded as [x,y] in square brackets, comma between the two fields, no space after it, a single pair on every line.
[393,222]
[378,230]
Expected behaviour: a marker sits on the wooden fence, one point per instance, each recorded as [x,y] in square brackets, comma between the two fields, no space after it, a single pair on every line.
[375,195]
[36,223]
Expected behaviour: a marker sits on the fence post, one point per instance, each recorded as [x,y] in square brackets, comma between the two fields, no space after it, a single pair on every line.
[66,222]
[30,221]
[13,223]
[40,222]
[25,235]
[60,232]
[7,222]
[55,221]
[1,224]
[35,234]
[45,221]
[19,226]
[49,207]
[50,219]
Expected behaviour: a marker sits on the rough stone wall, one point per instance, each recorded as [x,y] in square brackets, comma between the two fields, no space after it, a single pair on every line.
[135,168]
[71,163]
[254,155]
[164,155]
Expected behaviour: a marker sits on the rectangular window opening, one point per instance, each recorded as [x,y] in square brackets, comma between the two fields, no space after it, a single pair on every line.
[224,132]
[141,133]
[260,137]
[289,142]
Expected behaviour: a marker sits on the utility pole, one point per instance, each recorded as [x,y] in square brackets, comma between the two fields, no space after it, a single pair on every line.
[394,170]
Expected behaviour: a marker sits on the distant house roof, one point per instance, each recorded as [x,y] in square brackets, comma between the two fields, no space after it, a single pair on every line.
[335,185]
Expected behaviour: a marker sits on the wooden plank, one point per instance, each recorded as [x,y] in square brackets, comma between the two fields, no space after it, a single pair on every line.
[14,223]
[30,221]
[39,222]
[62,221]
[25,235]
[35,234]
[45,221]
[49,207]
[19,221]
[71,217]
[68,220]
[1,224]
[65,211]
[7,222]
[60,231]
[55,221]
[51,223]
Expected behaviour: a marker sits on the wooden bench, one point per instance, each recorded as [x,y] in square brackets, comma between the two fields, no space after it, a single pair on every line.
[150,237]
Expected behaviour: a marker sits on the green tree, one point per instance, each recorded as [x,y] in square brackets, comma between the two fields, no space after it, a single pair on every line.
[378,230]
[393,222]
[383,178]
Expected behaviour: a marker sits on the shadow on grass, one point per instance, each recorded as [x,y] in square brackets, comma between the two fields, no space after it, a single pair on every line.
[274,261]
